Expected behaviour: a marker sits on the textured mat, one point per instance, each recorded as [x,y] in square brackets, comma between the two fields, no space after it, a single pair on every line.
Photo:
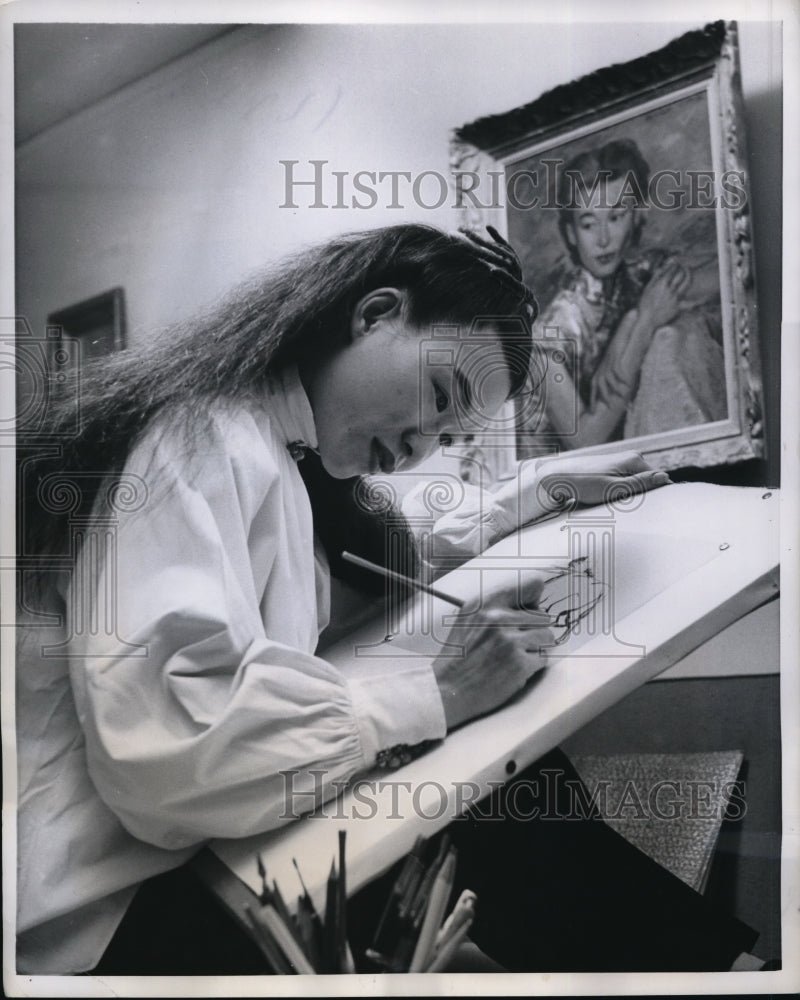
[670,806]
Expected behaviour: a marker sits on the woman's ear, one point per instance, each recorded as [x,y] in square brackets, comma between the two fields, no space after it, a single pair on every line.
[376,307]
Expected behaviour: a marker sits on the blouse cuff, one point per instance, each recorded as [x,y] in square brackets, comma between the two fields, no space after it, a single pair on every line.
[398,704]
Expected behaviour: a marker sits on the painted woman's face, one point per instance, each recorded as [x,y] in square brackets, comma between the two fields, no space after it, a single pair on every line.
[602,231]
[392,395]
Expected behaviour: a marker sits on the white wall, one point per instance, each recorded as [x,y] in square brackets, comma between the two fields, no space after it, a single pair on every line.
[172,187]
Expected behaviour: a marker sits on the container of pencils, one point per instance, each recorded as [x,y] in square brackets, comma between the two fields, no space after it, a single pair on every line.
[419,930]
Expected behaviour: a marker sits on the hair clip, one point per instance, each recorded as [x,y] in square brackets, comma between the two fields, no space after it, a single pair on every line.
[501,259]
[499,254]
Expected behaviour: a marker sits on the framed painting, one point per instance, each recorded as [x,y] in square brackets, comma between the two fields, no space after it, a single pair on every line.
[625,194]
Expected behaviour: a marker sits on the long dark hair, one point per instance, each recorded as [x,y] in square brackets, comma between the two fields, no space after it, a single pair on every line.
[298,308]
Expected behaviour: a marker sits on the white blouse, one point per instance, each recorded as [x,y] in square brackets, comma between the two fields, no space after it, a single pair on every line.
[189,680]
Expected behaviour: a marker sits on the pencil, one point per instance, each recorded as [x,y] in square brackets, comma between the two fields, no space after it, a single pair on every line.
[330,952]
[411,890]
[463,911]
[267,942]
[290,948]
[344,955]
[305,931]
[420,902]
[410,913]
[316,922]
[262,871]
[341,903]
[401,578]
[276,900]
[386,934]
[393,943]
[439,959]
[434,913]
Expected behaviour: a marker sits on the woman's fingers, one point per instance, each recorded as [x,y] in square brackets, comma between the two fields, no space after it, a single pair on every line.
[521,596]
[684,283]
[500,660]
[630,462]
[680,275]
[530,589]
[540,647]
[537,651]
[671,270]
[535,619]
[641,481]
[662,275]
[655,478]
[611,384]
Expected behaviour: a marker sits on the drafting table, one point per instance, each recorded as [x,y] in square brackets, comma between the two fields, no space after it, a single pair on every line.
[676,566]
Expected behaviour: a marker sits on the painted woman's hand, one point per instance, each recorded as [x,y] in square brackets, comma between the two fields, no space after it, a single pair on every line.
[616,380]
[504,646]
[595,479]
[660,301]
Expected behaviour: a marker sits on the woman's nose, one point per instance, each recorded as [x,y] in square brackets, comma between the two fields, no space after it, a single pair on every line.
[414,448]
[603,234]
[407,452]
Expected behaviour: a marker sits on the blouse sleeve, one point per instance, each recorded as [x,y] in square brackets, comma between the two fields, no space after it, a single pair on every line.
[480,518]
[198,721]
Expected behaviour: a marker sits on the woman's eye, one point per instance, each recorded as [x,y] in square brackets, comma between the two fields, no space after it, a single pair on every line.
[445,440]
[442,401]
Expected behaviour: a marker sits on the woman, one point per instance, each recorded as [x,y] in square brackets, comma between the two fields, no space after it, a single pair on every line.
[645,359]
[188,680]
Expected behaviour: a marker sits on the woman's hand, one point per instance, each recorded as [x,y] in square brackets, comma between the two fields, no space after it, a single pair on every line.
[593,479]
[546,485]
[504,646]
[661,299]
[617,377]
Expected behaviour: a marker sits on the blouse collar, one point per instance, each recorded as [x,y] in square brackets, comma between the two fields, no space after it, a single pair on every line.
[593,288]
[289,406]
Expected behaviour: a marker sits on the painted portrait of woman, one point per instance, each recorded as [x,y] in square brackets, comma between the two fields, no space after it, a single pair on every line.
[626,266]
